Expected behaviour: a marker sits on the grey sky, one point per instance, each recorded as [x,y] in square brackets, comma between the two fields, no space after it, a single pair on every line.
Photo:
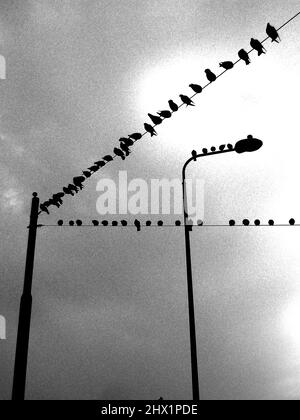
[110,313]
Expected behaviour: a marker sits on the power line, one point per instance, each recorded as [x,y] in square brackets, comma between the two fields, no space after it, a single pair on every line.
[58,203]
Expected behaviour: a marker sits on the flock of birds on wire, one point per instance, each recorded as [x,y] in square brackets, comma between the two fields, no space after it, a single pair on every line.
[138,225]
[126,143]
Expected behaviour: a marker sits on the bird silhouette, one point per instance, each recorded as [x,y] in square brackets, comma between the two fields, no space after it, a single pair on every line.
[100,163]
[194,154]
[127,142]
[125,149]
[165,114]
[78,181]
[72,187]
[210,76]
[222,147]
[68,191]
[272,33]
[173,106]
[58,198]
[156,120]
[258,46]
[137,224]
[95,222]
[108,158]
[150,129]
[119,153]
[87,174]
[244,56]
[186,100]
[94,168]
[124,223]
[53,202]
[227,65]
[44,208]
[135,136]
[196,88]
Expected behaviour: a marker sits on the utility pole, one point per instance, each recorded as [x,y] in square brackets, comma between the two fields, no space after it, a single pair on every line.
[19,381]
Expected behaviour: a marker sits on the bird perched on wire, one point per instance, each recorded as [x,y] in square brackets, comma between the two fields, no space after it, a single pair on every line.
[53,202]
[258,46]
[165,114]
[94,168]
[87,174]
[150,129]
[108,158]
[78,181]
[244,56]
[135,136]
[173,106]
[137,224]
[186,100]
[68,191]
[196,88]
[125,149]
[272,33]
[210,76]
[127,142]
[44,208]
[58,198]
[119,153]
[227,65]
[72,187]
[100,163]
[156,120]
[194,154]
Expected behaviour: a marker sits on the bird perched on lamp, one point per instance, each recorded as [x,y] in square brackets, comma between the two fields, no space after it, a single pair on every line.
[194,155]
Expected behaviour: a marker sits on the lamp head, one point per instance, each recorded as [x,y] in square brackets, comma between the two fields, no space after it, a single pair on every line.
[250,144]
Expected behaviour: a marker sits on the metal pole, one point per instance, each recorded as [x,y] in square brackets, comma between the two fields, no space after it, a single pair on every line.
[19,381]
[193,338]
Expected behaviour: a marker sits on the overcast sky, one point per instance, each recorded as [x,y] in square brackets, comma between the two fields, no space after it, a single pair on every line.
[110,314]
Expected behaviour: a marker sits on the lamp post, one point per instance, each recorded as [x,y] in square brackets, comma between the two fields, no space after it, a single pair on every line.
[19,381]
[247,145]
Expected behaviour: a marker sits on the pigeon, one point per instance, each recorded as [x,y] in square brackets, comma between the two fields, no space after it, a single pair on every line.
[258,46]
[150,129]
[244,56]
[165,114]
[196,88]
[68,191]
[186,100]
[87,174]
[156,120]
[227,65]
[119,153]
[125,149]
[78,181]
[273,34]
[100,163]
[73,188]
[108,158]
[44,208]
[174,107]
[210,76]
[135,136]
[127,142]
[194,154]
[137,223]
[94,168]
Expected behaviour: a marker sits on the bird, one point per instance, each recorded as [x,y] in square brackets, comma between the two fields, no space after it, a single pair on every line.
[194,154]
[196,88]
[150,129]
[58,198]
[222,147]
[124,223]
[108,158]
[44,208]
[156,120]
[258,46]
[186,100]
[135,136]
[165,114]
[77,181]
[244,56]
[137,224]
[94,168]
[119,153]
[95,222]
[100,163]
[173,106]
[68,191]
[272,33]
[53,202]
[87,174]
[125,149]
[73,188]
[227,65]
[210,76]
[127,142]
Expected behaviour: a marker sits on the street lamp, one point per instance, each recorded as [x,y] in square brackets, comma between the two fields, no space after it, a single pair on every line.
[246,145]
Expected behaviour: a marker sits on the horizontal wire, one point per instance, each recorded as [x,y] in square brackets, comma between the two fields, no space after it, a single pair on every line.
[170,226]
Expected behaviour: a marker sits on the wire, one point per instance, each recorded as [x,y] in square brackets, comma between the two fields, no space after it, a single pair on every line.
[170,226]
[208,84]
